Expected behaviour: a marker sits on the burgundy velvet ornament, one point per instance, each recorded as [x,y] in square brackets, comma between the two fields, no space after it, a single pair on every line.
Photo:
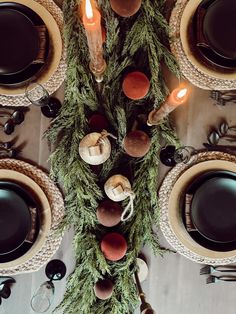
[97,123]
[114,246]
[125,8]
[137,143]
[135,85]
[103,289]
[109,213]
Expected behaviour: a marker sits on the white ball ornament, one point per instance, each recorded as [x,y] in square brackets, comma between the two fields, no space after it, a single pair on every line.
[95,148]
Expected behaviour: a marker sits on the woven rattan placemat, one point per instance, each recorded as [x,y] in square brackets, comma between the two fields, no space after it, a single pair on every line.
[56,202]
[191,72]
[164,196]
[58,77]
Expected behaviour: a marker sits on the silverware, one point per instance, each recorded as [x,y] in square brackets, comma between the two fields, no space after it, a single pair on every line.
[223,97]
[214,137]
[219,147]
[208,269]
[17,117]
[11,153]
[224,128]
[215,279]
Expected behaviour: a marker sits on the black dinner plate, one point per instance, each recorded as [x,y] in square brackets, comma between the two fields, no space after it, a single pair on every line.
[19,41]
[221,51]
[191,189]
[33,70]
[213,209]
[15,220]
[219,27]
[30,200]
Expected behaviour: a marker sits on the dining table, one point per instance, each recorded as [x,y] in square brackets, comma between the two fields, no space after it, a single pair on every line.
[173,284]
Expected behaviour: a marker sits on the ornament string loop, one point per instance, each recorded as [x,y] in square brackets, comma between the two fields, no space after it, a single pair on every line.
[104,135]
[130,206]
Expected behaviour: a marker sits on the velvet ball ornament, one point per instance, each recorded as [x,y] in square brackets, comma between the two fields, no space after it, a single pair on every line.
[97,123]
[125,8]
[135,85]
[114,246]
[137,143]
[103,289]
[109,213]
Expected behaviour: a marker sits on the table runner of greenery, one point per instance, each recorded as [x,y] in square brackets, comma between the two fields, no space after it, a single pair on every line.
[139,42]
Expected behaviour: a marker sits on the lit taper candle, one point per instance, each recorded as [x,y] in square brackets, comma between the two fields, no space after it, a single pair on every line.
[93,29]
[177,97]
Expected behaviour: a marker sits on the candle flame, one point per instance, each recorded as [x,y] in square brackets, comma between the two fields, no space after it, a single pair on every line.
[88,9]
[182,93]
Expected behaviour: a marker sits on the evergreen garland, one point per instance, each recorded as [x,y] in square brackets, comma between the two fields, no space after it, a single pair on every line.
[136,42]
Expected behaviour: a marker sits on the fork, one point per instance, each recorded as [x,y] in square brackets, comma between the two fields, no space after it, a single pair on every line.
[215,279]
[208,269]
[223,98]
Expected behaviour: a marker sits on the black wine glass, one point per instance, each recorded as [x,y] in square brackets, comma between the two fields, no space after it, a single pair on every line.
[42,299]
[167,155]
[170,156]
[39,96]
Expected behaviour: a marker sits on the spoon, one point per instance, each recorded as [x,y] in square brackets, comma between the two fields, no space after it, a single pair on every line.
[214,138]
[224,128]
[11,153]
[8,127]
[5,292]
[17,116]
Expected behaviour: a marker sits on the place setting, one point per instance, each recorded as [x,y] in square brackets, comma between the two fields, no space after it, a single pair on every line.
[204,47]
[198,208]
[33,49]
[32,207]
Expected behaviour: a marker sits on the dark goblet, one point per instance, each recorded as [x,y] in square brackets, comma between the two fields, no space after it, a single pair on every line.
[39,96]
[42,299]
[167,155]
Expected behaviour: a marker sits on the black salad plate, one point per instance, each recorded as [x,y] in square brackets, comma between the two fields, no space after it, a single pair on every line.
[19,41]
[209,229]
[217,27]
[33,70]
[31,201]
[15,220]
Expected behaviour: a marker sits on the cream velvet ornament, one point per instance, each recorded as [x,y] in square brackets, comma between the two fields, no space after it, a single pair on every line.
[118,188]
[95,148]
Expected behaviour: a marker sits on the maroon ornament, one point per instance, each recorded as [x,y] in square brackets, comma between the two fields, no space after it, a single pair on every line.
[136,85]
[114,246]
[109,213]
[125,8]
[97,123]
[103,289]
[137,143]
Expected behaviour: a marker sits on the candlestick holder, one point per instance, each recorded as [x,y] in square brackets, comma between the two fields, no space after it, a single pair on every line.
[98,69]
[93,29]
[145,308]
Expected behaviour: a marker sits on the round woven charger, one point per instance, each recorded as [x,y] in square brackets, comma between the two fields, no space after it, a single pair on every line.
[56,202]
[59,75]
[164,196]
[190,71]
